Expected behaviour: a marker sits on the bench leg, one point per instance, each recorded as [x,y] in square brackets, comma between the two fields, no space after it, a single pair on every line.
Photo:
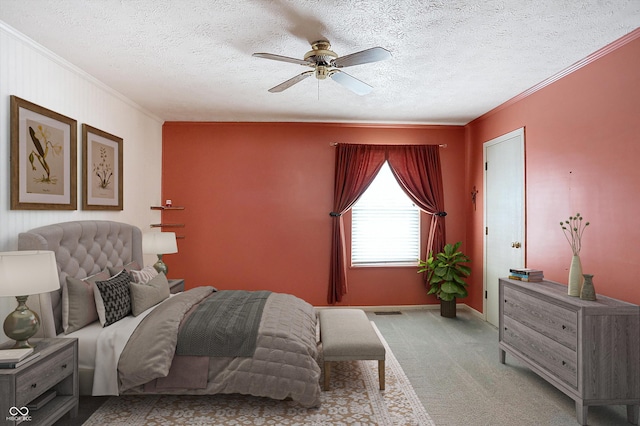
[381,373]
[327,374]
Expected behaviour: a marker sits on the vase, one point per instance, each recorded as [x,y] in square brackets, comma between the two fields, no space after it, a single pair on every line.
[575,277]
[588,292]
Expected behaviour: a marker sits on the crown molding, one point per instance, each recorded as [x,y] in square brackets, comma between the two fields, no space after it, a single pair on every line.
[622,41]
[25,40]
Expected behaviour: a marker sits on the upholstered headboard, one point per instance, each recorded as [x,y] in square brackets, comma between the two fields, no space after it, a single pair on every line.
[82,248]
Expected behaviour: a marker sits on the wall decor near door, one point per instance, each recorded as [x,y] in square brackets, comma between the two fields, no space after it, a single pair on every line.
[101,170]
[43,158]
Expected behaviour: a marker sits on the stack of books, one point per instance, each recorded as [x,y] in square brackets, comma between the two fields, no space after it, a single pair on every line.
[14,358]
[526,274]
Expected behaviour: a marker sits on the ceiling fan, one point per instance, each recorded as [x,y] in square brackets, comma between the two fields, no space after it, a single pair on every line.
[326,63]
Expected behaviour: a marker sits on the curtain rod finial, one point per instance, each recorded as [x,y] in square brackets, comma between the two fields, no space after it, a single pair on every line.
[334,144]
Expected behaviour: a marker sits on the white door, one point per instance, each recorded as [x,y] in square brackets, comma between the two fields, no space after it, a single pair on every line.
[504,215]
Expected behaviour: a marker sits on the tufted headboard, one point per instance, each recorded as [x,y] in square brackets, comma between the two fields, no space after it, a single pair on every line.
[82,248]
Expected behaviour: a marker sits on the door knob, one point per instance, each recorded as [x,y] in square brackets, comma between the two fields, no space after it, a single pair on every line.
[516,245]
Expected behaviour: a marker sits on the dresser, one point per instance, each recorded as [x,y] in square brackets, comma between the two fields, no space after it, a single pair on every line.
[56,368]
[590,350]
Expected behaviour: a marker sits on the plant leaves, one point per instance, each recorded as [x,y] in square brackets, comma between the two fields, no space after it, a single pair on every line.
[36,142]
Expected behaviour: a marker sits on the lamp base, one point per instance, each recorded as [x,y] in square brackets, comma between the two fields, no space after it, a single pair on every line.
[160,266]
[21,324]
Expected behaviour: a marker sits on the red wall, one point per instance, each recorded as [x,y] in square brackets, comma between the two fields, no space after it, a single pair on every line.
[582,143]
[257,198]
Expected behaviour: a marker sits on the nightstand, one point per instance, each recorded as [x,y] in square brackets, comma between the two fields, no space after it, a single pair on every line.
[56,368]
[176,285]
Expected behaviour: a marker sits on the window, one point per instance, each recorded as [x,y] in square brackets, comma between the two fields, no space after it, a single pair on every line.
[385,224]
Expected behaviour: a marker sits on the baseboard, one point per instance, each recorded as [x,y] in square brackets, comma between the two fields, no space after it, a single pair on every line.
[474,312]
[383,308]
[389,308]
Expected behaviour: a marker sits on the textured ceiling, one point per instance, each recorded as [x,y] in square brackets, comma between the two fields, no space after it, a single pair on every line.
[453,60]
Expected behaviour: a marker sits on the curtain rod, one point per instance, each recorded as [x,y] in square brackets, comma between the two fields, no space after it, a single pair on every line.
[334,144]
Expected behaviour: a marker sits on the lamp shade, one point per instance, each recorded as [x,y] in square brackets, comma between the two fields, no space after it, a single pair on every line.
[159,243]
[27,272]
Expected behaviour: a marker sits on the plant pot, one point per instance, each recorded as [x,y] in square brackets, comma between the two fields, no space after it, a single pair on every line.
[448,309]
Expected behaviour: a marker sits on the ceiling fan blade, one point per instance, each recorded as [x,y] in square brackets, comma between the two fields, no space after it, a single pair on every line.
[282,58]
[374,54]
[297,79]
[356,86]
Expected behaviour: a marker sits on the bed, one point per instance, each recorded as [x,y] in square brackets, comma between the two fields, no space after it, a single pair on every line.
[171,347]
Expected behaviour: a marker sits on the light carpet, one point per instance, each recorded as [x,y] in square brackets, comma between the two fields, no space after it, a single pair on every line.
[354,399]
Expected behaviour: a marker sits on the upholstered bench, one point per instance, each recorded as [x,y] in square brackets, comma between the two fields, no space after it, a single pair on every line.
[347,335]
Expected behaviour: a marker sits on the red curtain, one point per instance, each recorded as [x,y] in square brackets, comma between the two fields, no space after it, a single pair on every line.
[418,172]
[356,166]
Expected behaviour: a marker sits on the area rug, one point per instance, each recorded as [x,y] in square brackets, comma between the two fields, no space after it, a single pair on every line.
[354,399]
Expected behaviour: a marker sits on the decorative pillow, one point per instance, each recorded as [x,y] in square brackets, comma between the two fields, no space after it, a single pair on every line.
[113,301]
[144,296]
[144,275]
[78,303]
[131,266]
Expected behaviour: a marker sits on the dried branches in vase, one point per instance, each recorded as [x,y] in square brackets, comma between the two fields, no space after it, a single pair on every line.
[573,230]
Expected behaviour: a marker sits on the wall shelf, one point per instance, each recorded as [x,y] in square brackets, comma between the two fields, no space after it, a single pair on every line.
[168,225]
[167,208]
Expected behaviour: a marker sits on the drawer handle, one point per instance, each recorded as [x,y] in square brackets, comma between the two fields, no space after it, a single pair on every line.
[33,385]
[64,366]
[564,363]
[564,326]
[505,300]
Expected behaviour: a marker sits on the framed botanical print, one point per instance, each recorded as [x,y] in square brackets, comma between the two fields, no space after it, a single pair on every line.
[101,170]
[43,158]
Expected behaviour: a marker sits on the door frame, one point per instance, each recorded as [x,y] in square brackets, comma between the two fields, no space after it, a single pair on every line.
[520,132]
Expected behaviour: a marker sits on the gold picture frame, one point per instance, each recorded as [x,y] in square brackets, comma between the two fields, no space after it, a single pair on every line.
[43,158]
[101,170]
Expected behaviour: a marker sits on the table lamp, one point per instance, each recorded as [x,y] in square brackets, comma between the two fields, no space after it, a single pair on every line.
[159,243]
[23,273]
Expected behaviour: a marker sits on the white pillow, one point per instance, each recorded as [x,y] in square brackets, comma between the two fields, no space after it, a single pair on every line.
[144,275]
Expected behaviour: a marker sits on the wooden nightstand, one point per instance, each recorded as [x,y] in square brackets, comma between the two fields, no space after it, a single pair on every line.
[56,368]
[176,285]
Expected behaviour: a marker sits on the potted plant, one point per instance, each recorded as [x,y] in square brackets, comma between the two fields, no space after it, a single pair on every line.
[446,275]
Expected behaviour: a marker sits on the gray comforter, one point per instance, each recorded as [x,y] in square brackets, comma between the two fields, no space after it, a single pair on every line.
[284,364]
[225,324]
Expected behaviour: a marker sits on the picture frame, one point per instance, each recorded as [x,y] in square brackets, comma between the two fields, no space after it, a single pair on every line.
[101,170]
[43,158]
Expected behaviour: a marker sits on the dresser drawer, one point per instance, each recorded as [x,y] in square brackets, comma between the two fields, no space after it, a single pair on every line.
[542,350]
[43,376]
[554,321]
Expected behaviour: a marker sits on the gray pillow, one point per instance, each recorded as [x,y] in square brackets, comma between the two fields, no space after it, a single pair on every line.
[78,303]
[144,296]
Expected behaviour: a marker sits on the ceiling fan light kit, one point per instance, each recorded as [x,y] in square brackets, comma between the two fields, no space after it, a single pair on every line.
[326,63]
